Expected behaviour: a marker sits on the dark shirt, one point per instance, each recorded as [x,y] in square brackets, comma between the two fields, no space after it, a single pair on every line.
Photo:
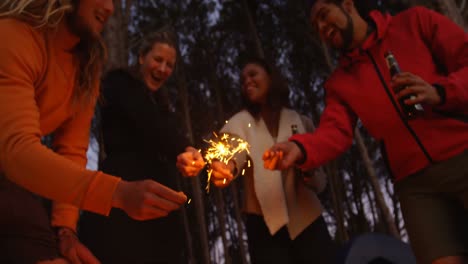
[142,139]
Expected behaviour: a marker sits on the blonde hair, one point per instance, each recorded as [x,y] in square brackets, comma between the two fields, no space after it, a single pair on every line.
[90,54]
[36,12]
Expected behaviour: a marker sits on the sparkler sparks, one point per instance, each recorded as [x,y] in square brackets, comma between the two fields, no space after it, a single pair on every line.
[223,148]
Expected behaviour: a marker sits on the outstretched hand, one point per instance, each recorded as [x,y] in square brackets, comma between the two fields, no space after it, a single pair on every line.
[147,199]
[221,175]
[190,162]
[282,156]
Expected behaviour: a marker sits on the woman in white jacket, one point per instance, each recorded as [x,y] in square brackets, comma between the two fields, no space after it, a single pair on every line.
[283,214]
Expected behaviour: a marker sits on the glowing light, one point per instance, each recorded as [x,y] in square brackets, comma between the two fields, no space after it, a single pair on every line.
[223,148]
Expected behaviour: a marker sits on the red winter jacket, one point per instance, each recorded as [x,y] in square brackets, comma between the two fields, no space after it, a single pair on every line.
[424,43]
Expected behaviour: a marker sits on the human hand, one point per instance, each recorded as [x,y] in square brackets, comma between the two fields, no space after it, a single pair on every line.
[72,249]
[271,158]
[147,199]
[421,91]
[190,162]
[282,156]
[221,174]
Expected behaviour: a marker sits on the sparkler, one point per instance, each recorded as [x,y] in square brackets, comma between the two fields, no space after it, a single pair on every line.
[223,148]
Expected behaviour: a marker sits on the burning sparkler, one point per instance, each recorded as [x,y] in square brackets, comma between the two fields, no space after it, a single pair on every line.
[223,148]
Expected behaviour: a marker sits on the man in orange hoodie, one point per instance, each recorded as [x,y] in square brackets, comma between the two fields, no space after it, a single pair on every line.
[51,60]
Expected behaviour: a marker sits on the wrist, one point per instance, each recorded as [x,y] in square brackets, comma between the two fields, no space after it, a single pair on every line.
[118,194]
[441,92]
[63,231]
[303,155]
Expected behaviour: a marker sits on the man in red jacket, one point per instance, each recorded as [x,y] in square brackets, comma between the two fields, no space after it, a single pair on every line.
[427,154]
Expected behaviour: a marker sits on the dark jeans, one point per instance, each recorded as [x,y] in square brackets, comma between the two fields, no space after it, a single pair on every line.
[25,233]
[313,245]
[434,203]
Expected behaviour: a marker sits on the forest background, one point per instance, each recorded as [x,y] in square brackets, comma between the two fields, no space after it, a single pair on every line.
[214,36]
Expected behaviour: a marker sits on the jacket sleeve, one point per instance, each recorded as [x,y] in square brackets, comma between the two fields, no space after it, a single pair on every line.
[72,144]
[333,136]
[449,45]
[23,159]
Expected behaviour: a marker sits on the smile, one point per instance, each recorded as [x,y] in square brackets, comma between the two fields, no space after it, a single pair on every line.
[157,79]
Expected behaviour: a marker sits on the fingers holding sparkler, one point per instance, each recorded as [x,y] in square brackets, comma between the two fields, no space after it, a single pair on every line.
[223,149]
[221,174]
[147,199]
[271,159]
[290,155]
[190,162]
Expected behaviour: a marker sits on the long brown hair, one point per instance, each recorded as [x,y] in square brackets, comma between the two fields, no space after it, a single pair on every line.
[47,14]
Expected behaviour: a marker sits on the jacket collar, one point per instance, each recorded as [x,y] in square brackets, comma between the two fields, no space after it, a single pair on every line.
[381,22]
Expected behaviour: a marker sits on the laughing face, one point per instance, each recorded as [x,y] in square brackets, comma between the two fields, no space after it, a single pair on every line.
[255,83]
[90,16]
[333,23]
[156,66]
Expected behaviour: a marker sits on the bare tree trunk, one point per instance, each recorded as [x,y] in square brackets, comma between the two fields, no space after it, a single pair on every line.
[116,43]
[196,186]
[375,217]
[451,10]
[379,197]
[396,210]
[447,7]
[221,213]
[253,29]
[220,205]
[188,234]
[332,172]
[116,35]
[240,223]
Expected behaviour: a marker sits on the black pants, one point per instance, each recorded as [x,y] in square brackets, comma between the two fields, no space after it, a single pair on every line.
[25,233]
[313,245]
[118,239]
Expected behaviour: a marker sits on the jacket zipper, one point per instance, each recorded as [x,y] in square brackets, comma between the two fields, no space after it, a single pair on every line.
[405,122]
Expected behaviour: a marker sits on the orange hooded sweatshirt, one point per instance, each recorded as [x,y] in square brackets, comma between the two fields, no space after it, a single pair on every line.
[36,95]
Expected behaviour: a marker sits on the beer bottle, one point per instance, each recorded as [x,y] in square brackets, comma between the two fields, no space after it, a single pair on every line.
[410,111]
